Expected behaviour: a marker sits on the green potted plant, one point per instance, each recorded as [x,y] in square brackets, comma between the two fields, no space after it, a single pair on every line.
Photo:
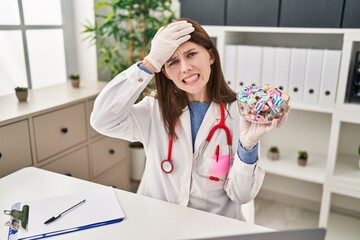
[302,157]
[122,33]
[75,80]
[21,93]
[273,153]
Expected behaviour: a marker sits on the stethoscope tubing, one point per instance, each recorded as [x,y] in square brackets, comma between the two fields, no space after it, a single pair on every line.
[167,165]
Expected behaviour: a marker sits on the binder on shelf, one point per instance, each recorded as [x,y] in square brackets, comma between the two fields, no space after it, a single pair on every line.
[297,74]
[313,71]
[254,65]
[282,68]
[230,66]
[329,78]
[100,208]
[241,67]
[268,66]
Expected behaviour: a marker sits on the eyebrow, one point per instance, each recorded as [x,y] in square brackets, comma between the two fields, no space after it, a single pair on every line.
[186,52]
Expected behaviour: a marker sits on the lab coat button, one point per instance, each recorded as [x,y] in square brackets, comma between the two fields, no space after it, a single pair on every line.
[140,80]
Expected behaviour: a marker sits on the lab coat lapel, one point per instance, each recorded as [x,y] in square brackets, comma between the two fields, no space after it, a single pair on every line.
[186,126]
[211,118]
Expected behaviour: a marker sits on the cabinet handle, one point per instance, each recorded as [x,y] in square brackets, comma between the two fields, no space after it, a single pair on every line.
[281,87]
[327,93]
[241,83]
[311,91]
[0,154]
[296,89]
[111,151]
[64,130]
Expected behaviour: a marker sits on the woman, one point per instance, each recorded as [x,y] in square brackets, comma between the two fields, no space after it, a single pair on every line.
[185,165]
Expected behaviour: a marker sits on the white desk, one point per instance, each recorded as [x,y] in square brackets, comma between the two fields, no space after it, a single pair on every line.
[146,218]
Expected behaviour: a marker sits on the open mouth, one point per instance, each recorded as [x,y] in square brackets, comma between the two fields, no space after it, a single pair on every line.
[191,80]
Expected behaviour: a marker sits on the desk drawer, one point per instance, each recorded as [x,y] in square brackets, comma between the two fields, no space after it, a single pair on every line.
[118,177]
[15,149]
[74,164]
[107,152]
[90,106]
[59,130]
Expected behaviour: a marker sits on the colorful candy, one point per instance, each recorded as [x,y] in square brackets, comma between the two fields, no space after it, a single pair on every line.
[262,104]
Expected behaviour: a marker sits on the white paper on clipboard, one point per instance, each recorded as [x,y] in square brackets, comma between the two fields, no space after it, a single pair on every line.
[100,208]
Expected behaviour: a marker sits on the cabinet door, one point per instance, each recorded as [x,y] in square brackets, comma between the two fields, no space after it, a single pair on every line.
[59,130]
[90,105]
[107,152]
[74,164]
[118,177]
[15,150]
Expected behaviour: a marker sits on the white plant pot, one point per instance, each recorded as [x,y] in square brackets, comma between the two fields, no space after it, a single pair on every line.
[137,163]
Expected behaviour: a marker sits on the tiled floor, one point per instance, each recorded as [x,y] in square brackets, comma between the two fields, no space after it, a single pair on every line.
[280,216]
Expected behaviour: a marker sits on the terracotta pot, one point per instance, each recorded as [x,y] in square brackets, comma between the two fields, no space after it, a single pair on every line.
[22,96]
[75,83]
[273,155]
[302,162]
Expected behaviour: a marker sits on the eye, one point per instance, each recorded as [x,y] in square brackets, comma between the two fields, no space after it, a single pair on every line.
[173,62]
[191,54]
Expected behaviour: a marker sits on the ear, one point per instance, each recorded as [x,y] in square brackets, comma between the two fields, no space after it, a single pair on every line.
[164,72]
[212,58]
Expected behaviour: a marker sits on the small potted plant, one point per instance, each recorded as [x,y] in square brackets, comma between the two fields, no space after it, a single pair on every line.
[273,153]
[21,93]
[302,158]
[75,80]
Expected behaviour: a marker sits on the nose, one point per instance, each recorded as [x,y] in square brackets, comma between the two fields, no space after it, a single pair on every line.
[185,66]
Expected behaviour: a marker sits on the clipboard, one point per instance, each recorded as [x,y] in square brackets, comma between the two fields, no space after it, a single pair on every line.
[101,208]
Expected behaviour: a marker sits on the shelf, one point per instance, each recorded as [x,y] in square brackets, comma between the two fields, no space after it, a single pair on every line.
[311,108]
[350,117]
[347,172]
[287,166]
[281,29]
[342,227]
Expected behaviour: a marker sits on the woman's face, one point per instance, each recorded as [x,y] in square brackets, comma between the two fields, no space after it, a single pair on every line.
[189,68]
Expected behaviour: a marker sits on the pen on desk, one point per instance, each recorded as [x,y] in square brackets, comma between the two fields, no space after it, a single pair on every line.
[52,219]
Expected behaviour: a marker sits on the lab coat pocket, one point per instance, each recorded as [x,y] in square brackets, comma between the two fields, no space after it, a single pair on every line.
[218,169]
[220,165]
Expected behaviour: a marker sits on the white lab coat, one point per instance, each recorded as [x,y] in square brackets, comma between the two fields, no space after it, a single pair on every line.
[115,115]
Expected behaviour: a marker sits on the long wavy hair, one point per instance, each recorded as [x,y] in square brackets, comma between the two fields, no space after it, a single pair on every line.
[172,100]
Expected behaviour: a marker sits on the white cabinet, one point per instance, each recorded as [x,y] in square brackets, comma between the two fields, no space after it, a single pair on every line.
[74,164]
[330,182]
[66,127]
[15,149]
[52,131]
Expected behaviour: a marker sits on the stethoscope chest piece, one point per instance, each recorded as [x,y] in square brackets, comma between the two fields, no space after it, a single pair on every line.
[167,166]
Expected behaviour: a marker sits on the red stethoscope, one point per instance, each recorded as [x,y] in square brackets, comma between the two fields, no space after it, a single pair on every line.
[167,166]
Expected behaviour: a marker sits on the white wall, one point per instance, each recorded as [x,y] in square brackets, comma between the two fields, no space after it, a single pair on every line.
[85,53]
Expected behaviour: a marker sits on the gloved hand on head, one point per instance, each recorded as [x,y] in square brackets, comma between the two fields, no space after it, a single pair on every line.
[166,41]
[251,133]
